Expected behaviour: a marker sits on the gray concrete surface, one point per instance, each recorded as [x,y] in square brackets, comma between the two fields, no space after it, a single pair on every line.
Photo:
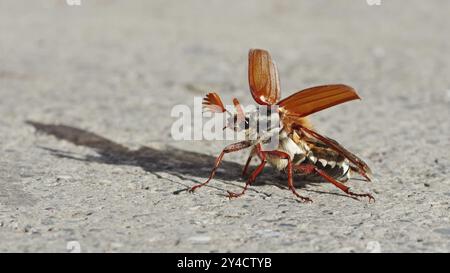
[97,164]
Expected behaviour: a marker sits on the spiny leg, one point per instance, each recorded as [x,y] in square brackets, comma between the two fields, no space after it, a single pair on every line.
[250,157]
[244,171]
[341,186]
[257,171]
[230,148]
[254,174]
[309,168]
[284,155]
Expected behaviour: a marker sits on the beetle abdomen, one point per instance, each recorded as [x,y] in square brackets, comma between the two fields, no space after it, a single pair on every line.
[328,160]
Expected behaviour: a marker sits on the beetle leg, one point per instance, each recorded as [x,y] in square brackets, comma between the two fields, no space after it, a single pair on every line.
[244,171]
[341,186]
[284,155]
[229,149]
[254,174]
[309,168]
[262,155]
[250,157]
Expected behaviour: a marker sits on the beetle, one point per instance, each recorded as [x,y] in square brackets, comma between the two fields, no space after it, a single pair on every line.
[301,150]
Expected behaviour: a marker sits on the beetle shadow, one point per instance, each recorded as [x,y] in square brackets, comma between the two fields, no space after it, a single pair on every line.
[179,163]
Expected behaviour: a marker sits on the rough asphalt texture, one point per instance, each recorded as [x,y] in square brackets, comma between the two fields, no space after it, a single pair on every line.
[96,164]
